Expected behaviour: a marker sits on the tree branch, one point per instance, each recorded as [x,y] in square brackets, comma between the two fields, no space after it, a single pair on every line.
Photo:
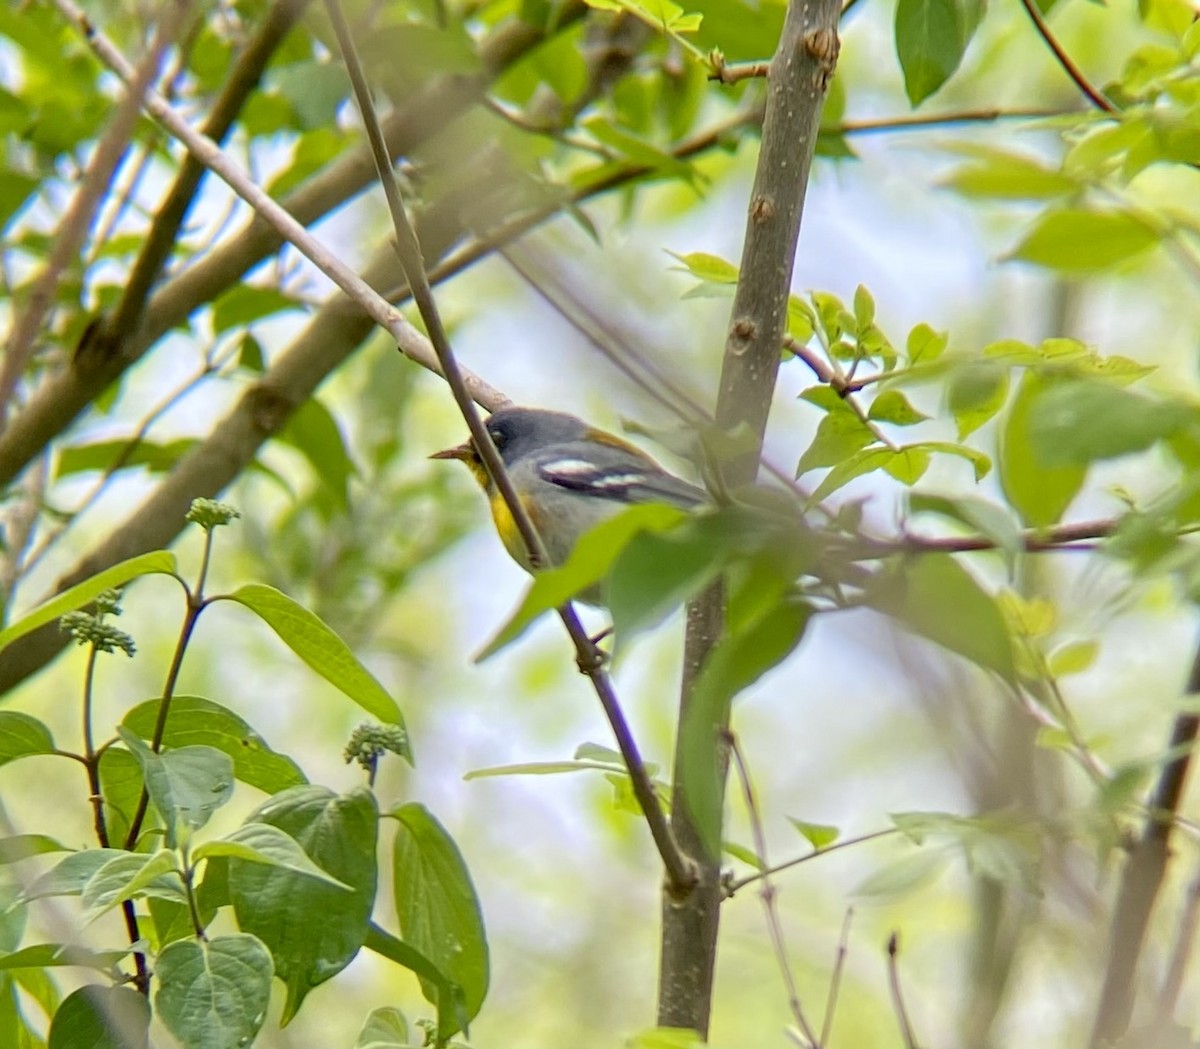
[72,231]
[799,77]
[678,870]
[1093,94]
[335,331]
[61,399]
[1143,876]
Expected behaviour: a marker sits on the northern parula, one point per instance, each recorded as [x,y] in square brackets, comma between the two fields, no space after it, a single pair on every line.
[569,477]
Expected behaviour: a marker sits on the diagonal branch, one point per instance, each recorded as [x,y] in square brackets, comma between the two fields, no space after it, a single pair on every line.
[72,231]
[1092,93]
[61,399]
[1143,876]
[591,661]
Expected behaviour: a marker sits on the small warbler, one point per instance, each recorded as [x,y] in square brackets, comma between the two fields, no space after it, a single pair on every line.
[569,477]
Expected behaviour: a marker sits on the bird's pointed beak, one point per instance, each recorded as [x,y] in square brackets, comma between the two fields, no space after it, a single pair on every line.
[464,452]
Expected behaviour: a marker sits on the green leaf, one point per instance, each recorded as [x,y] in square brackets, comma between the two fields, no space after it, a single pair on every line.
[159,562]
[997,845]
[980,463]
[990,520]
[438,910]
[1073,658]
[129,875]
[710,268]
[1000,174]
[864,307]
[1040,493]
[819,835]
[924,345]
[588,563]
[1078,241]
[22,735]
[105,455]
[320,648]
[404,954]
[262,843]
[1074,422]
[893,407]
[386,1028]
[338,834]
[904,876]
[930,41]
[314,433]
[192,720]
[214,994]
[855,466]
[244,303]
[840,434]
[908,464]
[738,660]
[54,955]
[19,847]
[937,598]
[974,394]
[71,874]
[96,1017]
[657,572]
[121,784]
[186,784]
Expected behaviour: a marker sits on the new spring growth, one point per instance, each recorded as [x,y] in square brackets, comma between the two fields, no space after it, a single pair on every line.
[369,742]
[89,628]
[210,514]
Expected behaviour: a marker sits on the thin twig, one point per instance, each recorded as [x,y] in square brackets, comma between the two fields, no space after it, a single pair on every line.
[835,980]
[211,366]
[678,870]
[919,121]
[906,1030]
[1093,94]
[733,886]
[731,74]
[767,892]
[73,230]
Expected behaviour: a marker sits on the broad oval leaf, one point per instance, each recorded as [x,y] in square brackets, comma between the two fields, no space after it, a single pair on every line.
[930,41]
[937,598]
[213,994]
[1079,241]
[97,1017]
[1038,492]
[193,720]
[22,735]
[187,784]
[438,910]
[338,834]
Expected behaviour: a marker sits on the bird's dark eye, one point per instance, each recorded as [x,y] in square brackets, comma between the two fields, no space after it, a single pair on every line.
[497,438]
